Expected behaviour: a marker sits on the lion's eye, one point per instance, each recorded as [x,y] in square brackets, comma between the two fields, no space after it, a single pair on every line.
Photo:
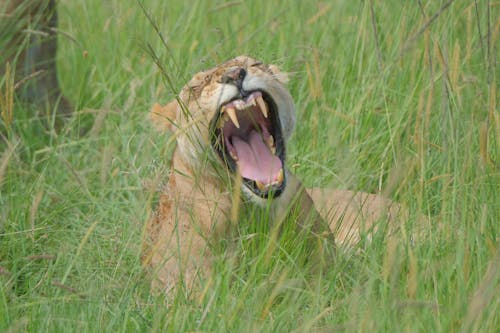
[255,64]
[208,78]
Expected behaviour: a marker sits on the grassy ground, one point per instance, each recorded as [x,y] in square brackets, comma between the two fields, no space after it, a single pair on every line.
[393,97]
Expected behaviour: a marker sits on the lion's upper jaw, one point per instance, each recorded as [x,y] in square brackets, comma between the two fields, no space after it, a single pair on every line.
[208,129]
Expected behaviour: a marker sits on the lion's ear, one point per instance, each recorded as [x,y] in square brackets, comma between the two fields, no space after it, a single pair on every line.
[163,117]
[278,74]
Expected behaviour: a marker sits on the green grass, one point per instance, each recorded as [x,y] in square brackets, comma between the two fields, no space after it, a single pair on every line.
[407,109]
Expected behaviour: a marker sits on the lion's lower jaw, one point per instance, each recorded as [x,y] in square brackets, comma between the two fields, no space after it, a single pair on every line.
[264,202]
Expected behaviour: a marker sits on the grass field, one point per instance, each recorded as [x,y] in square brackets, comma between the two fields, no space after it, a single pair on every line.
[397,97]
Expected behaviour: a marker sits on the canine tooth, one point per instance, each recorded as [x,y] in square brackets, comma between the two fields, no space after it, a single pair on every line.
[262,106]
[232,115]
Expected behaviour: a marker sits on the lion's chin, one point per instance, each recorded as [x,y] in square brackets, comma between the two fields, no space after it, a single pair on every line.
[247,136]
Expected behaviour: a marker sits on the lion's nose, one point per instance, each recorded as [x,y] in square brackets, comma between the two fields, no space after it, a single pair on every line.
[235,77]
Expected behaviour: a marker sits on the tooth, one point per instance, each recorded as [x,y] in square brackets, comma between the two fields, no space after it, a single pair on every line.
[280,177]
[233,156]
[232,114]
[262,105]
[240,105]
[260,185]
[270,142]
[252,102]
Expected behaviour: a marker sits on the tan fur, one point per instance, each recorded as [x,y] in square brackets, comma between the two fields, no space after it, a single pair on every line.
[196,206]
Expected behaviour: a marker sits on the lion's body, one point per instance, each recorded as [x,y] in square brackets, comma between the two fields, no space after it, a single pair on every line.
[185,220]
[198,204]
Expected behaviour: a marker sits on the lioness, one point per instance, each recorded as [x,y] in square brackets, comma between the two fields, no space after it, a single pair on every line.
[231,124]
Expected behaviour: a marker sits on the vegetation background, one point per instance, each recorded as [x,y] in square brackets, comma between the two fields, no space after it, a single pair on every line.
[396,97]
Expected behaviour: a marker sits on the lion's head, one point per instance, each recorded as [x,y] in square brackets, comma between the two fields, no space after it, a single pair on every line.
[241,113]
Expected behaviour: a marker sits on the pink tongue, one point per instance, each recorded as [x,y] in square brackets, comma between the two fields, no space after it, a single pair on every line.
[255,160]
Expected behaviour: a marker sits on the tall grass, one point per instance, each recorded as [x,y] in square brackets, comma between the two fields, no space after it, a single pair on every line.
[392,97]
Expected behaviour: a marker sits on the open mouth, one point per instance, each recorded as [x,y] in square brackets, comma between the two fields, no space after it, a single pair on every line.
[247,137]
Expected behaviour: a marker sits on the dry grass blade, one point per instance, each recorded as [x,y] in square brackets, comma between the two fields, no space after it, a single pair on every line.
[375,36]
[424,27]
[42,257]
[5,159]
[33,211]
[227,5]
[72,290]
[483,295]
[4,271]
[7,96]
